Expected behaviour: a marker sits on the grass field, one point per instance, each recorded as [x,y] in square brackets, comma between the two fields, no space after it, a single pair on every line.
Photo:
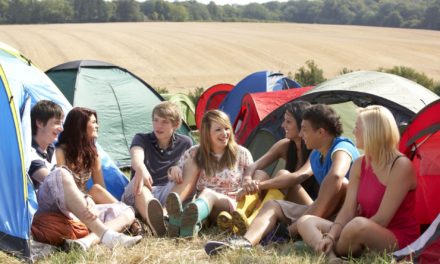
[163,250]
[182,56]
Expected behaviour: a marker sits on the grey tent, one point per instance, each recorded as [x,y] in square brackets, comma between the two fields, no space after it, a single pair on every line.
[123,101]
[404,98]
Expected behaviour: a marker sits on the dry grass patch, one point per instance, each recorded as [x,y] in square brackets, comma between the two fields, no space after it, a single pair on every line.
[163,250]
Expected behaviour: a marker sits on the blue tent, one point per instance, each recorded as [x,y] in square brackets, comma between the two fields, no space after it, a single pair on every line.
[21,86]
[263,81]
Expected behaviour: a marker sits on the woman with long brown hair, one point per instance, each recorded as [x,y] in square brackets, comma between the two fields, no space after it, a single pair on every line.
[77,151]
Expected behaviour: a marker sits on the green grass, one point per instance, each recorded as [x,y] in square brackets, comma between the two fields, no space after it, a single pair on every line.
[165,250]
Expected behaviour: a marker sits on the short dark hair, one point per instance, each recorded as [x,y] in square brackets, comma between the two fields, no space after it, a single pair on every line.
[323,116]
[43,111]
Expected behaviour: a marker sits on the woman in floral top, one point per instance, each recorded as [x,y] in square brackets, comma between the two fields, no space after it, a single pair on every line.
[217,165]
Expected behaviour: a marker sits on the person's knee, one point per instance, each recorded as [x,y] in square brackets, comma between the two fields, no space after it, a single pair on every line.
[355,228]
[260,175]
[304,221]
[66,177]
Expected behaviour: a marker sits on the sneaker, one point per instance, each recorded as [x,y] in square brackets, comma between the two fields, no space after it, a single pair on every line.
[215,247]
[111,239]
[174,209]
[155,218]
[75,245]
[189,226]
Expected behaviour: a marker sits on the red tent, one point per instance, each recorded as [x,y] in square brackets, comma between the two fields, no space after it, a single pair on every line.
[256,106]
[211,99]
[421,143]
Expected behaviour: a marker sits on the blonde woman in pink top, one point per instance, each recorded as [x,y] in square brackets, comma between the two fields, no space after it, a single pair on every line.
[378,210]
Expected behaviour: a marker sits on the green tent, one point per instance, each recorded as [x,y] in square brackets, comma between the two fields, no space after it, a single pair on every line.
[186,105]
[123,101]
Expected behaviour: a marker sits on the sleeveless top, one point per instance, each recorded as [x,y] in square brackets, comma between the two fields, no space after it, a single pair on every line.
[81,179]
[369,197]
[226,181]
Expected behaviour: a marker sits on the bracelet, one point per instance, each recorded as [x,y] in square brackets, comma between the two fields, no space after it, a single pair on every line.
[329,237]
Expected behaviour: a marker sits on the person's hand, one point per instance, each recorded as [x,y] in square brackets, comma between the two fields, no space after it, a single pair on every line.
[240,195]
[326,244]
[250,186]
[142,178]
[175,174]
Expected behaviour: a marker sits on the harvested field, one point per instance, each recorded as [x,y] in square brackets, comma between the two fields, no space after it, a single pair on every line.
[182,56]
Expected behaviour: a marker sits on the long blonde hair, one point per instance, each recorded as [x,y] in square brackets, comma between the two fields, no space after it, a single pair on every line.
[204,158]
[380,134]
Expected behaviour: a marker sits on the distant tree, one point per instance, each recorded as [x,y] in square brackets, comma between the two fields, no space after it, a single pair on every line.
[310,75]
[52,11]
[4,6]
[90,10]
[255,11]
[337,12]
[431,18]
[197,11]
[20,11]
[393,20]
[230,13]
[215,11]
[128,10]
[177,13]
[411,74]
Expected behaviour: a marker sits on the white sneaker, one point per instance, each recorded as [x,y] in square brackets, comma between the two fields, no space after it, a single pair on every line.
[112,239]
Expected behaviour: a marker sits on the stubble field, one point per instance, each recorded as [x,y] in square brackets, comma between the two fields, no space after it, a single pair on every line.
[183,56]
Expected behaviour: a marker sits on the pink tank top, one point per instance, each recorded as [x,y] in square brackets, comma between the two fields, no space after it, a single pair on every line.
[403,225]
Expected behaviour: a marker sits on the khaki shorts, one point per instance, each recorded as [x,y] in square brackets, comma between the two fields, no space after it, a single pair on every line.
[159,192]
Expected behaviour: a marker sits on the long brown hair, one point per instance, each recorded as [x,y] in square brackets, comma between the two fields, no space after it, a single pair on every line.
[80,150]
[204,158]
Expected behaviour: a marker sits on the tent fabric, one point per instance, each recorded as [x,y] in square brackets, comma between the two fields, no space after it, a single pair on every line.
[421,143]
[16,210]
[124,102]
[426,249]
[186,106]
[211,99]
[256,106]
[263,81]
[347,92]
[22,85]
[402,96]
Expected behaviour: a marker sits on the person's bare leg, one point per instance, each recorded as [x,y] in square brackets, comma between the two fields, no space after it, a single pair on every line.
[297,194]
[362,233]
[141,201]
[264,222]
[190,176]
[100,195]
[77,204]
[118,224]
[311,229]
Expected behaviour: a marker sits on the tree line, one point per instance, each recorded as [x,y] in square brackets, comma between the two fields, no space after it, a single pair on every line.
[391,13]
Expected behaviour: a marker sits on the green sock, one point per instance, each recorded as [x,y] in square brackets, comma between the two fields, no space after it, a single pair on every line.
[203,209]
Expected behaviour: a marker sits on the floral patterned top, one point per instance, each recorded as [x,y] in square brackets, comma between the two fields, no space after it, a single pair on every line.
[226,181]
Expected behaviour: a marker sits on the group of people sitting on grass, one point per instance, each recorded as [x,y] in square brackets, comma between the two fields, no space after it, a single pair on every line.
[363,202]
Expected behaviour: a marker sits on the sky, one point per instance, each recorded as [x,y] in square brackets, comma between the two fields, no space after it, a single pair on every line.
[239,2]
